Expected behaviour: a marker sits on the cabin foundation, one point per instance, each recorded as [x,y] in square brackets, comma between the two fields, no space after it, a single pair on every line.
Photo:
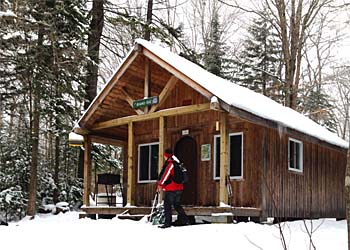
[216,214]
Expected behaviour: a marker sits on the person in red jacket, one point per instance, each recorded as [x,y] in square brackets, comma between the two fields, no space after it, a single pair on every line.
[173,191]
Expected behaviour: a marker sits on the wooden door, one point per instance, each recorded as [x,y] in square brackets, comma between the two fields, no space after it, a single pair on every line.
[186,151]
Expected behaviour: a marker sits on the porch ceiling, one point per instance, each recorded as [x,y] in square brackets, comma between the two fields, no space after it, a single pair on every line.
[115,104]
[127,85]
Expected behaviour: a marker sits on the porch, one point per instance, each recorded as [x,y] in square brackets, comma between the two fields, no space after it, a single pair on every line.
[185,117]
[137,213]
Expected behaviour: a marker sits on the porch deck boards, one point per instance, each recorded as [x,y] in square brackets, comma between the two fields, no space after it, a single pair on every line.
[190,210]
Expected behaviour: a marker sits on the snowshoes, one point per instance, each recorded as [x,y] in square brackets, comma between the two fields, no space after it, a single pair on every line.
[158,216]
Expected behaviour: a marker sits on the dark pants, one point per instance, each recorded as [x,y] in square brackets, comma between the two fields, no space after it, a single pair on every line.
[173,199]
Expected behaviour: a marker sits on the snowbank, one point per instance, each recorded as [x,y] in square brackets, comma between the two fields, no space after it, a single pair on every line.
[67,231]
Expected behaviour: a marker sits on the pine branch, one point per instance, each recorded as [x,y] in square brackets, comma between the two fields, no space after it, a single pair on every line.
[259,69]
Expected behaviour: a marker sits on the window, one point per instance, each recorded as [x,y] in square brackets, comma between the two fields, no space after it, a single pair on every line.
[235,156]
[148,162]
[295,155]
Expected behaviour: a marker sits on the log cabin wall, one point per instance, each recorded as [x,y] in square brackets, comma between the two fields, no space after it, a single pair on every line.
[202,128]
[267,183]
[316,192]
[148,132]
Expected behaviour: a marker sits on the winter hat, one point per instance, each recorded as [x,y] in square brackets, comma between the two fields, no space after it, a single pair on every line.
[168,153]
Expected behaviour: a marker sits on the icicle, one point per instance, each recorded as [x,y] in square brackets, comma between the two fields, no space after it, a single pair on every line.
[281,130]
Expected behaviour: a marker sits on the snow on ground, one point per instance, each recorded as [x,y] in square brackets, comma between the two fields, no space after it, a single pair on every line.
[66,231]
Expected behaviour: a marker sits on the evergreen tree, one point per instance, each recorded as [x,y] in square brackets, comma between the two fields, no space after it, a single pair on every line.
[213,54]
[317,105]
[14,174]
[41,77]
[14,121]
[259,64]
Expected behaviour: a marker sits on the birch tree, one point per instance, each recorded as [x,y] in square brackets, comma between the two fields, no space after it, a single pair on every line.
[294,18]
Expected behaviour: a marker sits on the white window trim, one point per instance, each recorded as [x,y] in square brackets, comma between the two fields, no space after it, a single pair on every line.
[301,158]
[214,158]
[242,149]
[149,163]
[229,157]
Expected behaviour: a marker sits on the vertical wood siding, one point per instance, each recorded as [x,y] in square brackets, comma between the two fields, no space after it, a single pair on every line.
[316,192]
[267,183]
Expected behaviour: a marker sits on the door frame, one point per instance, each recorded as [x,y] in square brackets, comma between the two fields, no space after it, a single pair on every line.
[190,196]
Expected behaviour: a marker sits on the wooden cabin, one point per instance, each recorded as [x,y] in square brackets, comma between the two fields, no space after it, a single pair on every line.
[245,153]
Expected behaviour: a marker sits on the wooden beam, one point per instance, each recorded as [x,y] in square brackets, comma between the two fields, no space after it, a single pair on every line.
[177,73]
[87,170]
[130,101]
[224,148]
[107,141]
[165,92]
[81,131]
[245,115]
[215,104]
[190,210]
[147,81]
[130,188]
[110,85]
[166,112]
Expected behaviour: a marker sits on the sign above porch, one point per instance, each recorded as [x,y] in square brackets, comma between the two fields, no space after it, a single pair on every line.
[148,101]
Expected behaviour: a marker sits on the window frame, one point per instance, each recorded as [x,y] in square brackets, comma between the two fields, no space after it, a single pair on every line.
[301,156]
[229,156]
[149,162]
[214,158]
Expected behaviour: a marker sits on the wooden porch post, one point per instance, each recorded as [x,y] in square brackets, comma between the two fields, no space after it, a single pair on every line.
[162,139]
[147,81]
[87,170]
[224,140]
[130,194]
[161,142]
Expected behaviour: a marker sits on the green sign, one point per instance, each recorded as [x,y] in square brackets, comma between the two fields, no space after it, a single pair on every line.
[145,102]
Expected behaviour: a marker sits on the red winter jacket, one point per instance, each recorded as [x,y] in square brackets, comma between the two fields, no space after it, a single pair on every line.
[166,178]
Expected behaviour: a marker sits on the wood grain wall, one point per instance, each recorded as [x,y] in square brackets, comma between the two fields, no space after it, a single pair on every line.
[267,183]
[316,192]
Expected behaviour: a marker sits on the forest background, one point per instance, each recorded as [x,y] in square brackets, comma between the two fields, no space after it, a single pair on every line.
[55,55]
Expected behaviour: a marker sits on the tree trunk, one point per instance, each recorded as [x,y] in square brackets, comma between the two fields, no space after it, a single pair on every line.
[149,20]
[57,92]
[347,195]
[1,112]
[35,127]
[57,169]
[31,210]
[293,23]
[96,28]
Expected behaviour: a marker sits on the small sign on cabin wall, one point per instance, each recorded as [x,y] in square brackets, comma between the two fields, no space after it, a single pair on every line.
[145,102]
[185,132]
[205,152]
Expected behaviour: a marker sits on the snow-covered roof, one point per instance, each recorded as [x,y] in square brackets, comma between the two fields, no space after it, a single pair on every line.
[75,137]
[244,98]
